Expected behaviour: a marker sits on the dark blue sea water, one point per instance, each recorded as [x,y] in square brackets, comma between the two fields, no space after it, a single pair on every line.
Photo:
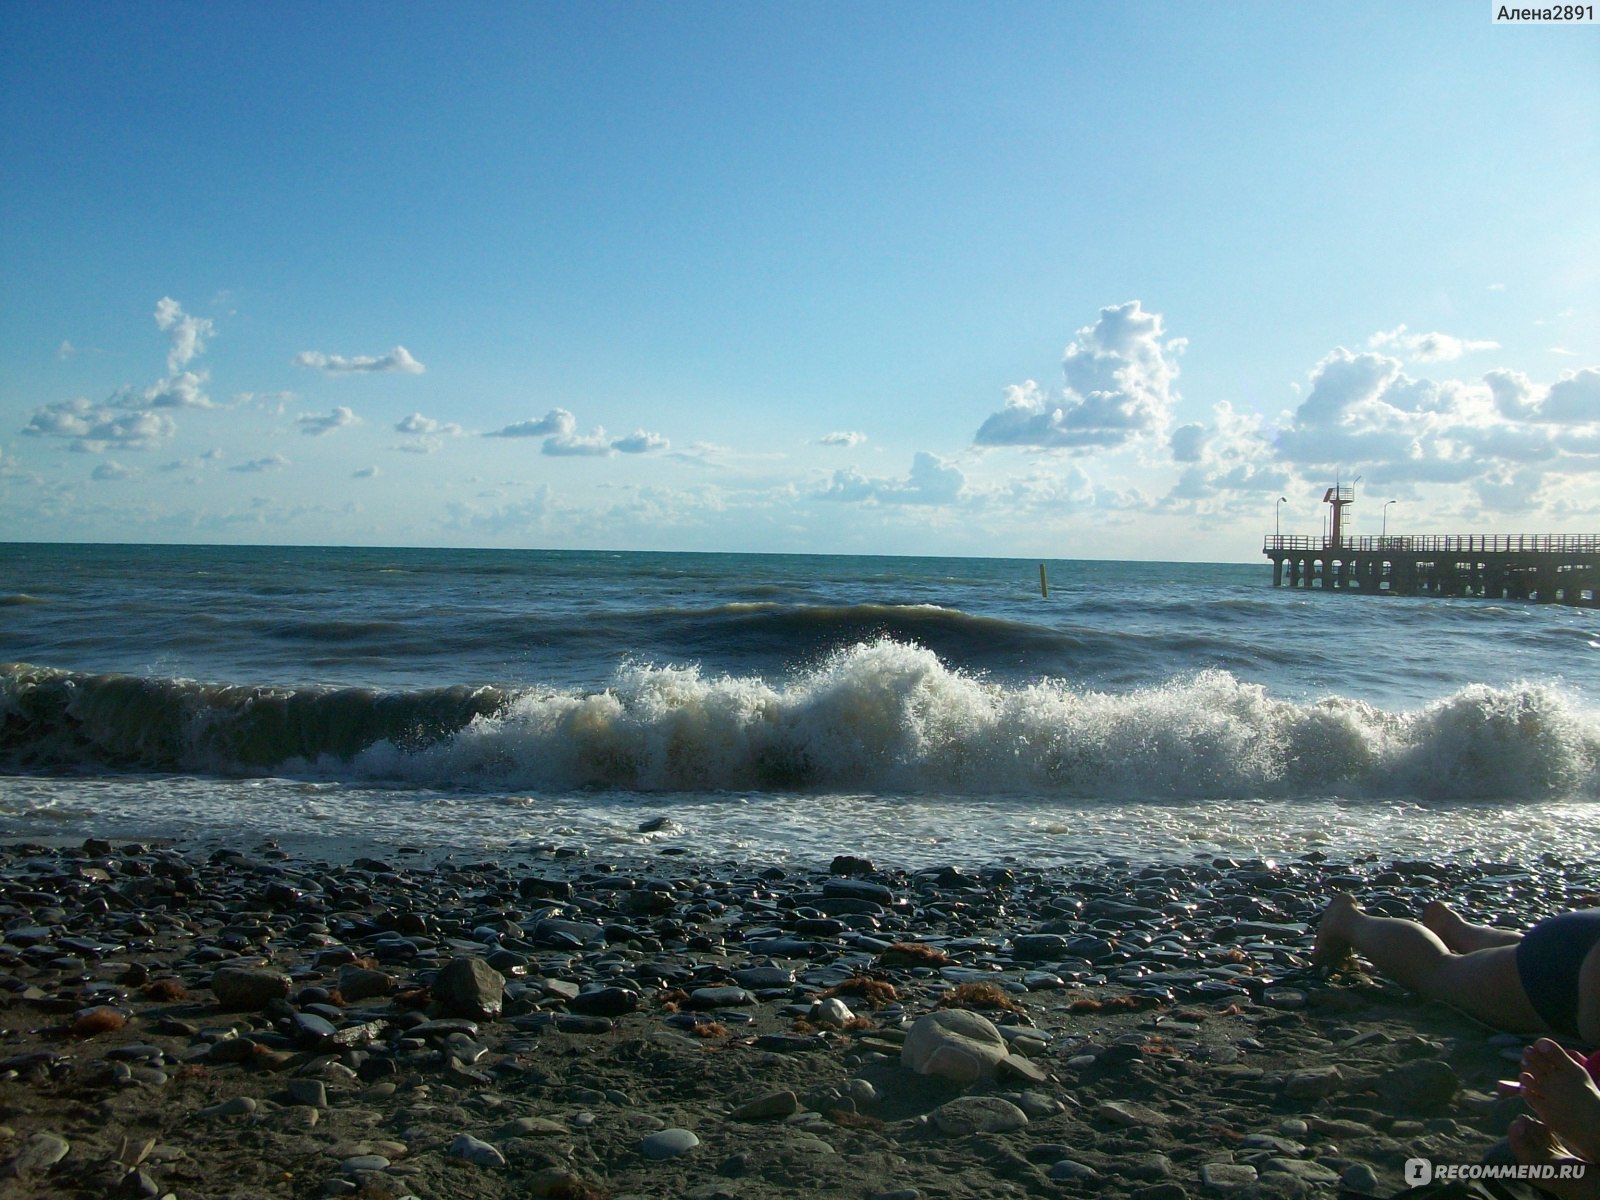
[775,705]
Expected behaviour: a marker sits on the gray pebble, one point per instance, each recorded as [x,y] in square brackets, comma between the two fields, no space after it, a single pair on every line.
[668,1143]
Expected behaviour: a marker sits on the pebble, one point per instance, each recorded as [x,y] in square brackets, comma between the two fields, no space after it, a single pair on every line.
[1227,1177]
[469,987]
[954,1044]
[356,1164]
[473,1150]
[772,1106]
[978,1114]
[248,988]
[1210,956]
[1361,1178]
[312,1093]
[38,1154]
[1129,1114]
[1071,1169]
[668,1143]
[238,1106]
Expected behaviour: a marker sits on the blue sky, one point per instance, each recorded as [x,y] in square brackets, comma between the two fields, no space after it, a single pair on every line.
[1039,279]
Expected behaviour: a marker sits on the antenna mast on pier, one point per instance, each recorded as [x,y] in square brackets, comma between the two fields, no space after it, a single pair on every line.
[1340,496]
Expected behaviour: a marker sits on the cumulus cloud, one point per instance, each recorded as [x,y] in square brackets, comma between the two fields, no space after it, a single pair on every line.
[315,425]
[272,462]
[558,422]
[421,426]
[848,440]
[1189,442]
[1118,386]
[1515,395]
[397,361]
[593,445]
[183,390]
[93,427]
[1226,461]
[640,442]
[109,472]
[186,334]
[932,480]
[1426,347]
[1498,435]
[1574,398]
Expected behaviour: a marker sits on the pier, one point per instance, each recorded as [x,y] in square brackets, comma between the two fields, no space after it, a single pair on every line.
[1552,569]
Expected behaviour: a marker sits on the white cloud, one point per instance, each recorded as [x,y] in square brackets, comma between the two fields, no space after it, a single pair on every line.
[187,334]
[1189,443]
[1574,398]
[932,480]
[848,441]
[272,462]
[593,445]
[109,471]
[315,426]
[183,390]
[1426,347]
[640,442]
[422,426]
[1515,395]
[1225,463]
[1363,413]
[397,361]
[1118,377]
[557,422]
[95,427]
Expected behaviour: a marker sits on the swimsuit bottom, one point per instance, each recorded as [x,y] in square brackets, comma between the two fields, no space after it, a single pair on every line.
[1549,958]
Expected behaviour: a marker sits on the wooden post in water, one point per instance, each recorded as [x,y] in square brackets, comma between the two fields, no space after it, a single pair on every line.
[1044,584]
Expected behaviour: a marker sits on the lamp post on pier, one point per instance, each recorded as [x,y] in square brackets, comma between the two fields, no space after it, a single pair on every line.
[1386,504]
[1276,509]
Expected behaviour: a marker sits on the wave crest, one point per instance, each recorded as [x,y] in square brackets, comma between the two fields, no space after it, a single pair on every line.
[879,717]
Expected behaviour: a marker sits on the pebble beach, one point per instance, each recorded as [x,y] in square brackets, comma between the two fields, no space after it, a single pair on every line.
[202,1020]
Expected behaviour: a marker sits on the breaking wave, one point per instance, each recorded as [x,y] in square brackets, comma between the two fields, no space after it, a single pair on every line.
[875,717]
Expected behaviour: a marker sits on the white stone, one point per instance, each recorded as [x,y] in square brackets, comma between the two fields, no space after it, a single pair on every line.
[954,1044]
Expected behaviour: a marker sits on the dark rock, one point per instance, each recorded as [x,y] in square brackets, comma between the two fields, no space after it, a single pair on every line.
[469,987]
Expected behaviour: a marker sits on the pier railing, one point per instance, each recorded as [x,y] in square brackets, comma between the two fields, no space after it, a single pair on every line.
[1441,544]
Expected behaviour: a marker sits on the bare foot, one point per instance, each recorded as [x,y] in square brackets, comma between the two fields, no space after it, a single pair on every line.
[1560,1092]
[1332,946]
[1534,1145]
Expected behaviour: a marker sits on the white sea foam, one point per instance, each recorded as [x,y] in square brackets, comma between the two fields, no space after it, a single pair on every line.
[890,717]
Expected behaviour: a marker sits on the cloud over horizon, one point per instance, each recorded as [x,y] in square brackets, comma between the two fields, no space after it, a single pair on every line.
[932,480]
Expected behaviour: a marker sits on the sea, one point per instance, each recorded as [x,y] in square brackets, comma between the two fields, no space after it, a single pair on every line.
[770,709]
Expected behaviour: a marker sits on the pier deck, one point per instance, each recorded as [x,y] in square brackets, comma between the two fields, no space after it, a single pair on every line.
[1557,569]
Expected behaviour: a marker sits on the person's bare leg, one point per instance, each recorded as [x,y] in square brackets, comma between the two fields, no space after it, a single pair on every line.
[1460,934]
[1533,1144]
[1560,1092]
[1483,983]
